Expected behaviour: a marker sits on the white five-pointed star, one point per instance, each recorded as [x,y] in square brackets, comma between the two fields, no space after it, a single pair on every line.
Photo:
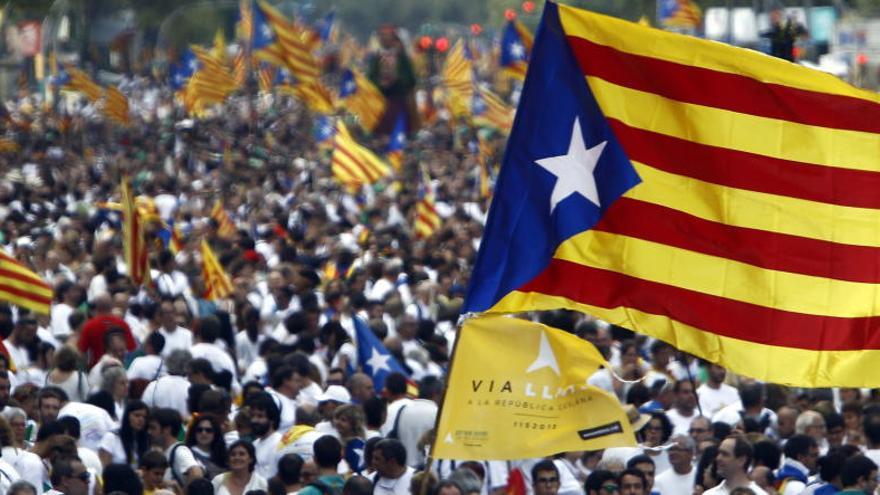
[517,50]
[266,31]
[574,170]
[378,361]
[546,358]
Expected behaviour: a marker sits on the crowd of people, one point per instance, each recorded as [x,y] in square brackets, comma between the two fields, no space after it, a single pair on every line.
[158,389]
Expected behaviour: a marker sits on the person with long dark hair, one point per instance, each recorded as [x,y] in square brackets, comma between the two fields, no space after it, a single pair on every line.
[127,444]
[205,439]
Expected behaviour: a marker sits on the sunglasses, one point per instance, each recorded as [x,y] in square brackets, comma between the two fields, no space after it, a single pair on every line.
[83,476]
[202,429]
[609,488]
[548,480]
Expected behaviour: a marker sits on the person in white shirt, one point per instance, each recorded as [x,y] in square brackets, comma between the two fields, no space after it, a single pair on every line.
[801,453]
[207,348]
[23,334]
[395,388]
[171,283]
[149,366]
[715,395]
[732,462]
[284,391]
[70,295]
[680,477]
[176,337]
[163,426]
[265,418]
[242,462]
[684,410]
[172,390]
[393,476]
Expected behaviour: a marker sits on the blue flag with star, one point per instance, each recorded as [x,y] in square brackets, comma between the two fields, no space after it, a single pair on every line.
[374,358]
[562,169]
[514,53]
[181,70]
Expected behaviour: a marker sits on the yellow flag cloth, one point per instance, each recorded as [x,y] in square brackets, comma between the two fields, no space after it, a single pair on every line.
[519,389]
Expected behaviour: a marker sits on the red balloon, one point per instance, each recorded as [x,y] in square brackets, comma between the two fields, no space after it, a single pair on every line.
[528,6]
[442,44]
[861,59]
[476,29]
[425,42]
[509,14]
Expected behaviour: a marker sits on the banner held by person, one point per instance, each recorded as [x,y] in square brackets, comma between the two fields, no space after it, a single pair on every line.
[534,402]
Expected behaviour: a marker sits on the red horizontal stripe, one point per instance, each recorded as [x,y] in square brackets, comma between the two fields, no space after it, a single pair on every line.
[713,314]
[733,92]
[28,279]
[742,170]
[23,294]
[769,250]
[355,160]
[731,168]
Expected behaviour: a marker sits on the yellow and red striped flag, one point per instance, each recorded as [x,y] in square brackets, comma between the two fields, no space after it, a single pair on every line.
[314,94]
[353,164]
[212,83]
[22,287]
[116,106]
[709,196]
[217,283]
[294,44]
[427,219]
[458,79]
[362,98]
[134,242]
[78,80]
[680,14]
[225,227]
[484,157]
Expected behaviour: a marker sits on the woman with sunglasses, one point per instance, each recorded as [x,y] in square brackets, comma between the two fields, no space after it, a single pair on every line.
[240,478]
[205,439]
[127,444]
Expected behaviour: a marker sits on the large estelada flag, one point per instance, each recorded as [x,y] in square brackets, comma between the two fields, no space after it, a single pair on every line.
[133,241]
[710,196]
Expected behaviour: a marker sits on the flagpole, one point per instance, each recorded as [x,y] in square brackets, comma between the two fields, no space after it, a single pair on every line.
[423,490]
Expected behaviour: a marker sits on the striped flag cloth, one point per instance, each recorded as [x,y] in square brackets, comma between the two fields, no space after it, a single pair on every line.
[314,94]
[134,243]
[77,80]
[361,97]
[706,195]
[427,219]
[484,157]
[22,287]
[217,283]
[352,164]
[225,227]
[294,44]
[397,142]
[458,79]
[212,82]
[266,77]
[489,110]
[679,14]
[116,106]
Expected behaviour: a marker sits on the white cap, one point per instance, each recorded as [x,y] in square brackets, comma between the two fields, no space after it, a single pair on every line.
[336,393]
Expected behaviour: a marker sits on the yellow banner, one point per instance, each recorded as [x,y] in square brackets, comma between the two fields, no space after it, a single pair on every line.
[519,389]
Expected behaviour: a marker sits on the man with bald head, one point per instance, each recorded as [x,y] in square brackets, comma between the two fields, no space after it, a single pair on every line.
[361,387]
[91,340]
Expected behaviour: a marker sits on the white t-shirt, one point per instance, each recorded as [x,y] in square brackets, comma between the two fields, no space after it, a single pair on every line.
[287,406]
[713,400]
[8,476]
[169,391]
[182,462]
[94,422]
[59,322]
[398,486]
[391,416]
[267,455]
[180,338]
[28,465]
[146,368]
[112,444]
[309,394]
[681,424]
[256,482]
[219,359]
[671,483]
[723,489]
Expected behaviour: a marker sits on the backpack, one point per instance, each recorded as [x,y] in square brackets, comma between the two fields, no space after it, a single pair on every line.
[178,478]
